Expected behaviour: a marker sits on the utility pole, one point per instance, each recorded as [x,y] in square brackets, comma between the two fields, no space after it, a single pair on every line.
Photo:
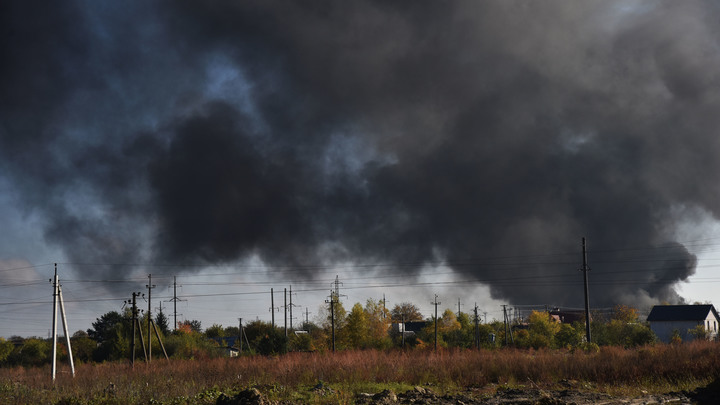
[384,309]
[436,303]
[286,309]
[136,327]
[57,298]
[291,309]
[585,270]
[149,286]
[175,300]
[307,316]
[332,302]
[458,315]
[240,334]
[477,328]
[403,330]
[508,327]
[272,307]
[334,299]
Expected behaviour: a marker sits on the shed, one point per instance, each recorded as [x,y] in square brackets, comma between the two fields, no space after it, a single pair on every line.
[666,319]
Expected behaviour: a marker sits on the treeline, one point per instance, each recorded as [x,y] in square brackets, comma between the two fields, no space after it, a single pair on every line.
[368,326]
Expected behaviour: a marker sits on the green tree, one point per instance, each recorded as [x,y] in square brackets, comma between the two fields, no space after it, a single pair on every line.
[112,332]
[542,330]
[699,332]
[34,352]
[569,336]
[6,347]
[82,346]
[464,336]
[161,321]
[215,331]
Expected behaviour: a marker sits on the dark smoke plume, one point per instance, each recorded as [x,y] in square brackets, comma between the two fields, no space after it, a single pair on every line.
[485,135]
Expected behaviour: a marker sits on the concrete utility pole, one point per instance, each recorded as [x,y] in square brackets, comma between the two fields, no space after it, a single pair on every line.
[58,299]
[585,270]
[436,303]
[149,286]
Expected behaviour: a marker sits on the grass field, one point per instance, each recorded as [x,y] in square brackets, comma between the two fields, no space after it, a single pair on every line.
[659,368]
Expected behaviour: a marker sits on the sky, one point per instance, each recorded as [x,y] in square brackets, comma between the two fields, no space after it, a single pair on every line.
[409,150]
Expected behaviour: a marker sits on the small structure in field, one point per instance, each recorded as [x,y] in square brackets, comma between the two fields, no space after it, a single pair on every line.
[668,320]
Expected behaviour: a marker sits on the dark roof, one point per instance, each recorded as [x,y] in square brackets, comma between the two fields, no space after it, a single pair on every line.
[680,313]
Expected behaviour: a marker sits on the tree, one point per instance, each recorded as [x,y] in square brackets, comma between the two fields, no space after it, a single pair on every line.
[542,329]
[378,319]
[569,336]
[699,332]
[406,309]
[215,331]
[194,325]
[82,346]
[161,321]
[104,327]
[355,332]
[6,347]
[111,332]
[625,314]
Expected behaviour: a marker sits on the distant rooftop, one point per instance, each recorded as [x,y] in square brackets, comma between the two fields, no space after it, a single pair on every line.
[680,313]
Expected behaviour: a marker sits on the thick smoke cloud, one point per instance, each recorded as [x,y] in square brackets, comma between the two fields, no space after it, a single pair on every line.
[485,135]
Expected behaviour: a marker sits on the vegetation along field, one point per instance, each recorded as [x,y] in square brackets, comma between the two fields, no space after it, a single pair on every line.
[544,362]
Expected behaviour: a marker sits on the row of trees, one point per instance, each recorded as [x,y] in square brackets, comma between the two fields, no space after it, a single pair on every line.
[366,326]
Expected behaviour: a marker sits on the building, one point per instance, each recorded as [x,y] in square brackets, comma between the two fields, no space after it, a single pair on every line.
[666,320]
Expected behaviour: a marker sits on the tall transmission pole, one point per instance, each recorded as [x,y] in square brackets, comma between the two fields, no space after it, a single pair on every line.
[585,270]
[334,299]
[286,309]
[149,286]
[175,300]
[436,303]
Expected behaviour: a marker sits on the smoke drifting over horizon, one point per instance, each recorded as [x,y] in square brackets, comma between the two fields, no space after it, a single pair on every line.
[371,132]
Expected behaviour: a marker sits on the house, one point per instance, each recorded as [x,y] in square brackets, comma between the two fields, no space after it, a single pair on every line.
[409,328]
[665,320]
[568,316]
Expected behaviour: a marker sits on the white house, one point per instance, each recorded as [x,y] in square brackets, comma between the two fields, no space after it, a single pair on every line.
[666,319]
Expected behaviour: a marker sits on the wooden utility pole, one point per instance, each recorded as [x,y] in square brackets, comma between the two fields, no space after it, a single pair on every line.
[585,270]
[136,327]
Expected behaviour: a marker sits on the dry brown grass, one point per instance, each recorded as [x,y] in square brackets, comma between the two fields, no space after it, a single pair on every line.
[199,381]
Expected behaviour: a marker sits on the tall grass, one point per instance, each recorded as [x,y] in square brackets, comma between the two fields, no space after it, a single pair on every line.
[198,381]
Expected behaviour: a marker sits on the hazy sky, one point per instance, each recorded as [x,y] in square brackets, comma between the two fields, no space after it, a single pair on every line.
[453,148]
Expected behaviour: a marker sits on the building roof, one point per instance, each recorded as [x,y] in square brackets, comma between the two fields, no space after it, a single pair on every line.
[661,313]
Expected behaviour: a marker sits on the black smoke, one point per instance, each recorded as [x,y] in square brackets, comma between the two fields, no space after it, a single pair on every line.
[490,136]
